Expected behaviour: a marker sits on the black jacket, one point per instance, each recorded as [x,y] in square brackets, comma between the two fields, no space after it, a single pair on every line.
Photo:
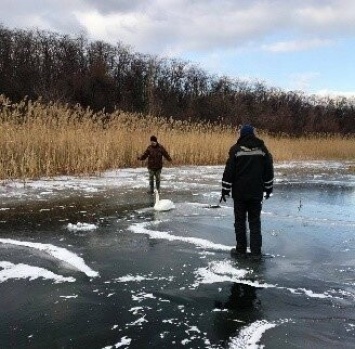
[249,170]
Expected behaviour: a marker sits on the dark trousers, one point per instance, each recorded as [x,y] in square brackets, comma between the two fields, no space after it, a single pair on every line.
[250,209]
[154,174]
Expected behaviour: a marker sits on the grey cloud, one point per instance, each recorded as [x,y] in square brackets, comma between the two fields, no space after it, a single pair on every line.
[185,25]
[66,25]
[195,26]
[111,6]
[56,16]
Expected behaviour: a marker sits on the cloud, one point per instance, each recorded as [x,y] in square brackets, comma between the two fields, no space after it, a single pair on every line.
[302,81]
[181,25]
[213,31]
[184,25]
[42,14]
[114,6]
[338,94]
[178,25]
[327,16]
[297,45]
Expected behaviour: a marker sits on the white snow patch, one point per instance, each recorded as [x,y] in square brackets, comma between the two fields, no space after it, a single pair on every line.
[225,271]
[125,341]
[136,310]
[249,337]
[138,322]
[217,272]
[219,310]
[309,293]
[56,252]
[193,329]
[140,228]
[24,271]
[185,341]
[69,297]
[81,226]
[140,278]
[141,296]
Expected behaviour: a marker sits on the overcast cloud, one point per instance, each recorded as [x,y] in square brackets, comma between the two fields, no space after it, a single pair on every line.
[203,29]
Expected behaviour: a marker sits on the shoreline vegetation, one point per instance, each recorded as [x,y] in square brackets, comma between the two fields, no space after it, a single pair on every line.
[99,75]
[40,139]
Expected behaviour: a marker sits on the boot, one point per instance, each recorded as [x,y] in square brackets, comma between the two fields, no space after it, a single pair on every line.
[239,251]
[255,254]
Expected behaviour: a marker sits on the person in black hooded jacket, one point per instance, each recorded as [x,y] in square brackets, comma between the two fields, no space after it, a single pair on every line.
[249,173]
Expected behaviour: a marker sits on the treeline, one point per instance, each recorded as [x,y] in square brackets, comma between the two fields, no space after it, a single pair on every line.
[105,77]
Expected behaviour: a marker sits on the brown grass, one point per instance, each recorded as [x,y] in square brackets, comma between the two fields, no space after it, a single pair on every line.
[38,139]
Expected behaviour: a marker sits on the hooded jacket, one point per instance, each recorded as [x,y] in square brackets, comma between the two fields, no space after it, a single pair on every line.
[249,170]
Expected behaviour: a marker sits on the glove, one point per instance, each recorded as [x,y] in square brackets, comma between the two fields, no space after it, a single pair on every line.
[223,195]
[267,193]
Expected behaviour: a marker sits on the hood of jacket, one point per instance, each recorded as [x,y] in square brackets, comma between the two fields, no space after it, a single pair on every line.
[250,141]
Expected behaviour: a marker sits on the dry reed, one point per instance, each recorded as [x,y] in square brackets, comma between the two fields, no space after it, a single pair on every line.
[45,139]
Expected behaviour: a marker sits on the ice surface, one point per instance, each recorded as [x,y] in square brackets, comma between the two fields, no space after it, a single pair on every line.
[174,269]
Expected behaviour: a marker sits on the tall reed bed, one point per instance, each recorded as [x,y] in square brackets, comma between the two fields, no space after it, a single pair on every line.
[312,147]
[46,139]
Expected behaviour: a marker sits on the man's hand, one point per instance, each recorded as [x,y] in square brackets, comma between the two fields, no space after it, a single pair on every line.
[223,195]
[267,194]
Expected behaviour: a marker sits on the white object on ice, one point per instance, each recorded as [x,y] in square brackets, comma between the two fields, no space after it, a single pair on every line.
[81,226]
[162,205]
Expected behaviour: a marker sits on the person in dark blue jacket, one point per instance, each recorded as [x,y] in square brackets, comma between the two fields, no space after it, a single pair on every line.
[249,174]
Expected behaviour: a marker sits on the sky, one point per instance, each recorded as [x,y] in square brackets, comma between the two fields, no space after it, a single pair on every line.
[304,45]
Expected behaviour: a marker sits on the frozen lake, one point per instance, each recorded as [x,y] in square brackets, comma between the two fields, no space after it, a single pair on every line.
[86,263]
